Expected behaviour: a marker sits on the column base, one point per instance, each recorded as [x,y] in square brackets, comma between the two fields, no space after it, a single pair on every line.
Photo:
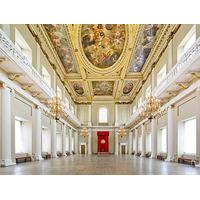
[116,153]
[153,157]
[89,153]
[170,159]
[143,154]
[7,162]
[38,158]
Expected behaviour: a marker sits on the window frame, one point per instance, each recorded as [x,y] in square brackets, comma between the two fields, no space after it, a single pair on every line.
[100,108]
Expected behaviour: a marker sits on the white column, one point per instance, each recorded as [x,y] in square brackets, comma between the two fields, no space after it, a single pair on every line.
[136,141]
[116,142]
[5,131]
[153,138]
[198,125]
[70,140]
[130,142]
[64,140]
[37,134]
[171,134]
[53,139]
[143,139]
[116,115]
[89,141]
[89,115]
[76,142]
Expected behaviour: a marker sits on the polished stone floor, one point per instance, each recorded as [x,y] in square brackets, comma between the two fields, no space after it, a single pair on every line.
[100,165]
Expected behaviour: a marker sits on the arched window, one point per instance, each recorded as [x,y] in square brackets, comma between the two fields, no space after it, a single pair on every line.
[103,115]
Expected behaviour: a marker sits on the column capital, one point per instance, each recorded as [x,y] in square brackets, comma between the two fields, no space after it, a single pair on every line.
[171,106]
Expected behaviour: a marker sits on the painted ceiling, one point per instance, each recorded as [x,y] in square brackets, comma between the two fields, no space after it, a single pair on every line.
[103,43]
[104,61]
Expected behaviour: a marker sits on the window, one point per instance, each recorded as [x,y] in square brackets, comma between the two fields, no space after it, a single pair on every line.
[161,74]
[163,138]
[148,91]
[46,76]
[189,138]
[139,102]
[134,109]
[59,92]
[67,102]
[22,46]
[187,42]
[103,115]
[18,137]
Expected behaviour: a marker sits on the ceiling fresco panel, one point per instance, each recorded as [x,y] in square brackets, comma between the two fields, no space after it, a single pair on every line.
[103,88]
[143,48]
[103,43]
[57,35]
[78,88]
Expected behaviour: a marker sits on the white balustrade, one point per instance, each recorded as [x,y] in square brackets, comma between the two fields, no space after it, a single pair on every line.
[182,65]
[14,55]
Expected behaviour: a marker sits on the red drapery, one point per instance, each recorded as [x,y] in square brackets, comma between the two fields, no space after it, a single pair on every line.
[103,141]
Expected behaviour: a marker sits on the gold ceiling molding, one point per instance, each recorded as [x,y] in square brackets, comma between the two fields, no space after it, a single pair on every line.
[131,32]
[87,73]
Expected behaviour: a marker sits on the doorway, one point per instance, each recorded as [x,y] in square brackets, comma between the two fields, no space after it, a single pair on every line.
[123,150]
[83,149]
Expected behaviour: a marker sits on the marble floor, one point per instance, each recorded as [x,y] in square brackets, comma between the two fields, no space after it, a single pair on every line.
[100,165]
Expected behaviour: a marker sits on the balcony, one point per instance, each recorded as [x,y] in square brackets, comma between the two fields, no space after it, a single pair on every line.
[180,73]
[14,62]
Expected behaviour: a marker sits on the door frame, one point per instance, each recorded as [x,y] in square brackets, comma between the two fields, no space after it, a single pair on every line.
[120,149]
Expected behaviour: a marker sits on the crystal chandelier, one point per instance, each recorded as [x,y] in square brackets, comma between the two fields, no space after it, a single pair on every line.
[56,107]
[122,132]
[151,107]
[84,132]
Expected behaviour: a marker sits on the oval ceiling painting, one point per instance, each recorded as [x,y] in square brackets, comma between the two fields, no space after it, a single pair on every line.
[103,43]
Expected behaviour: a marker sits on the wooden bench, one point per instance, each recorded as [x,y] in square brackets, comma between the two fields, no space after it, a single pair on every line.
[162,156]
[59,154]
[148,155]
[67,153]
[133,153]
[186,160]
[23,157]
[138,154]
[46,155]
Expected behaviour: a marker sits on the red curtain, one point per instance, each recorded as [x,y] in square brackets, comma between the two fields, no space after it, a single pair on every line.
[103,141]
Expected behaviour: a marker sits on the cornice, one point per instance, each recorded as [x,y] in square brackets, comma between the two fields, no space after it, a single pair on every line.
[49,51]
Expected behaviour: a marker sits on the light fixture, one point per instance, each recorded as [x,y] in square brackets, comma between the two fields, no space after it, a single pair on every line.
[84,132]
[122,132]
[55,105]
[151,107]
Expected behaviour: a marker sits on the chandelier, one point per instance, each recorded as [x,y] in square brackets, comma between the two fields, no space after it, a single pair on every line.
[122,132]
[84,132]
[151,107]
[56,107]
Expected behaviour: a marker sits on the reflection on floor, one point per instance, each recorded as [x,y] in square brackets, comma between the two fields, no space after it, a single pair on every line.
[101,164]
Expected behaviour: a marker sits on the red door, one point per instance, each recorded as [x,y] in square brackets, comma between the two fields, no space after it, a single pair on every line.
[103,141]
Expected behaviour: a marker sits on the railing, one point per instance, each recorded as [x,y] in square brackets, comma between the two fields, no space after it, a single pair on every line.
[186,60]
[71,115]
[179,68]
[134,115]
[13,54]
